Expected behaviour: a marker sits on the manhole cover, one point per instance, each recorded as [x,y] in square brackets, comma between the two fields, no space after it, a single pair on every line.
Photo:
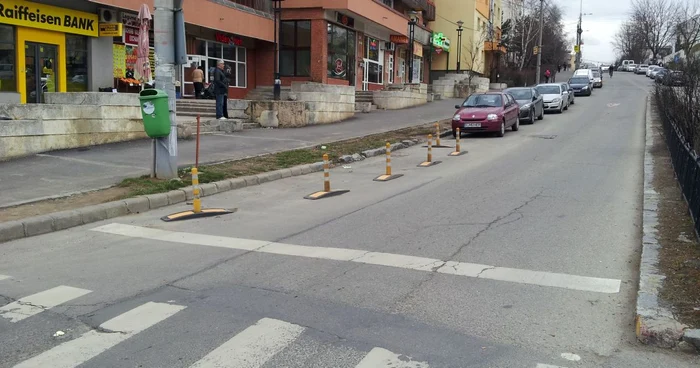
[544,136]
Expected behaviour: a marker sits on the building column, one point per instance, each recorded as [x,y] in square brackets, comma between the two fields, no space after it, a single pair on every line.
[99,55]
[319,51]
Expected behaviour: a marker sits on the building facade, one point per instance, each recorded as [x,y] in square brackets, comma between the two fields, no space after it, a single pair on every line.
[361,43]
[479,48]
[57,46]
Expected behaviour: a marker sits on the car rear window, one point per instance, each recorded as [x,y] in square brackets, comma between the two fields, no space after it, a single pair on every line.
[549,90]
[520,93]
[579,81]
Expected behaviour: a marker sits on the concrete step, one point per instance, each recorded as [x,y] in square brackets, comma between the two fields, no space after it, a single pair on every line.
[202,115]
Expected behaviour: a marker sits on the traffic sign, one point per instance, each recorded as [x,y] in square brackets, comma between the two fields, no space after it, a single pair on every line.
[576,48]
[536,50]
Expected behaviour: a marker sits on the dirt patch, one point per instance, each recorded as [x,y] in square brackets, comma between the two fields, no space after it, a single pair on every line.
[62,204]
[679,256]
[144,185]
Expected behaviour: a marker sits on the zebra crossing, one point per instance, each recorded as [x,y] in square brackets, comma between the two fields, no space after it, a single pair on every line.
[253,347]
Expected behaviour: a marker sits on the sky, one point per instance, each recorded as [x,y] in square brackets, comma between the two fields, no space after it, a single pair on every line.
[598,28]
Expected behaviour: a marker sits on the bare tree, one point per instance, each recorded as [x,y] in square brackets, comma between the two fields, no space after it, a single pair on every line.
[687,27]
[473,53]
[655,20]
[630,43]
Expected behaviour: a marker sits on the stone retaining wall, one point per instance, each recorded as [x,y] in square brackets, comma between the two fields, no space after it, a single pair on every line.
[69,120]
[401,96]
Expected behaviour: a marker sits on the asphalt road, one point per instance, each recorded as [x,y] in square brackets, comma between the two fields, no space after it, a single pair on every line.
[62,173]
[522,253]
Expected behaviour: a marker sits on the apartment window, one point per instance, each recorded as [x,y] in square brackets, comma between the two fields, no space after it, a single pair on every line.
[341,52]
[295,48]
[389,3]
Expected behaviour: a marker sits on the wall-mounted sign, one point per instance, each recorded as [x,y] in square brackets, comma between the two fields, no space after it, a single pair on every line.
[441,42]
[52,18]
[345,20]
[399,39]
[229,40]
[131,35]
[110,29]
[131,20]
[417,49]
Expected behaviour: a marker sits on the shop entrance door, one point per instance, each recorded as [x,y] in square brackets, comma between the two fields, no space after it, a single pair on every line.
[41,70]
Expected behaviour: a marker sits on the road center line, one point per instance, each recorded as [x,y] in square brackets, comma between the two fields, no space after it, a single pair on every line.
[559,280]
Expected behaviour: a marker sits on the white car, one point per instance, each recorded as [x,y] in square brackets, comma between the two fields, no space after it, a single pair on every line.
[584,72]
[605,68]
[631,67]
[642,69]
[555,96]
[651,69]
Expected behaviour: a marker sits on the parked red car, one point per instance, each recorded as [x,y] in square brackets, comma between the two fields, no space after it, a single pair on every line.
[487,112]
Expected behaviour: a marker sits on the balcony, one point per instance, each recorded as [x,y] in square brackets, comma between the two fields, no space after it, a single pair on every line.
[427,6]
[491,46]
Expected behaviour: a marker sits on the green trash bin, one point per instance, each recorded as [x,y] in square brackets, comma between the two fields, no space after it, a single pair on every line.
[154,109]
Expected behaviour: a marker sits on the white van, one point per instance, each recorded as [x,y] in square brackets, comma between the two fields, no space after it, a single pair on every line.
[584,72]
[626,64]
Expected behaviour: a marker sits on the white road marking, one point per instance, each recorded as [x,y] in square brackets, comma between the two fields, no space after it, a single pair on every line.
[34,304]
[252,347]
[4,277]
[76,352]
[571,356]
[547,366]
[541,278]
[382,358]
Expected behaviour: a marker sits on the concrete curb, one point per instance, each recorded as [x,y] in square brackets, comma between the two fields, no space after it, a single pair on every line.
[38,225]
[654,324]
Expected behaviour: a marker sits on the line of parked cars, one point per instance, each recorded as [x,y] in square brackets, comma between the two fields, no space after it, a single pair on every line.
[498,111]
[657,73]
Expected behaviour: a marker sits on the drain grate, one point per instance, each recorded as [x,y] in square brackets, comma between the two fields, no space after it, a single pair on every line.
[543,136]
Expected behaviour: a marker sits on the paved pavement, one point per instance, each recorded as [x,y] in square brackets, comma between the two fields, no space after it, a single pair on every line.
[522,253]
[61,173]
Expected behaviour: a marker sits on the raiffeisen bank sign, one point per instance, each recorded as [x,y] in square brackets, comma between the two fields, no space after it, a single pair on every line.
[51,18]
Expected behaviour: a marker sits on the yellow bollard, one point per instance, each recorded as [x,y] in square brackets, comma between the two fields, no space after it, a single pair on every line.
[388,176]
[197,202]
[388,158]
[326,192]
[437,134]
[458,147]
[326,174]
[429,161]
[197,211]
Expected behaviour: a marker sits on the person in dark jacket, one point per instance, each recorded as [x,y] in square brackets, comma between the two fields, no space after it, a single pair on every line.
[220,90]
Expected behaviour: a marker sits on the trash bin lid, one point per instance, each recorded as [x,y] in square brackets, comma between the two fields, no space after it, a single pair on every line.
[150,94]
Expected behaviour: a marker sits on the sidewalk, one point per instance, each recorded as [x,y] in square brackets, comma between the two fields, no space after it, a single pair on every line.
[62,173]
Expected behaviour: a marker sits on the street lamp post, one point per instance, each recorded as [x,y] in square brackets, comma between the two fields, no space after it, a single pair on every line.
[459,45]
[411,37]
[277,88]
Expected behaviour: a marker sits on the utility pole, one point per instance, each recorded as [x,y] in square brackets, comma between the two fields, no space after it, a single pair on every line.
[578,37]
[164,32]
[539,44]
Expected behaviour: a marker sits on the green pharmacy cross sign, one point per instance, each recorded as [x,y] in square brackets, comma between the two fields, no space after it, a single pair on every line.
[440,41]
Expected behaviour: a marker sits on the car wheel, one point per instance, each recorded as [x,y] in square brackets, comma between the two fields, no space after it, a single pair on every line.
[532,116]
[516,126]
[573,101]
[561,109]
[541,114]
[502,132]
[566,107]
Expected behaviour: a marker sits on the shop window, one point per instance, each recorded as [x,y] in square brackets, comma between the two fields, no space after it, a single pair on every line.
[375,61]
[234,58]
[77,63]
[295,48]
[341,52]
[8,75]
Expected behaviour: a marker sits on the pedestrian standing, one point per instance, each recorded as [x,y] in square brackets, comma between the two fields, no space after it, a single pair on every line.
[198,81]
[558,68]
[220,89]
[547,74]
